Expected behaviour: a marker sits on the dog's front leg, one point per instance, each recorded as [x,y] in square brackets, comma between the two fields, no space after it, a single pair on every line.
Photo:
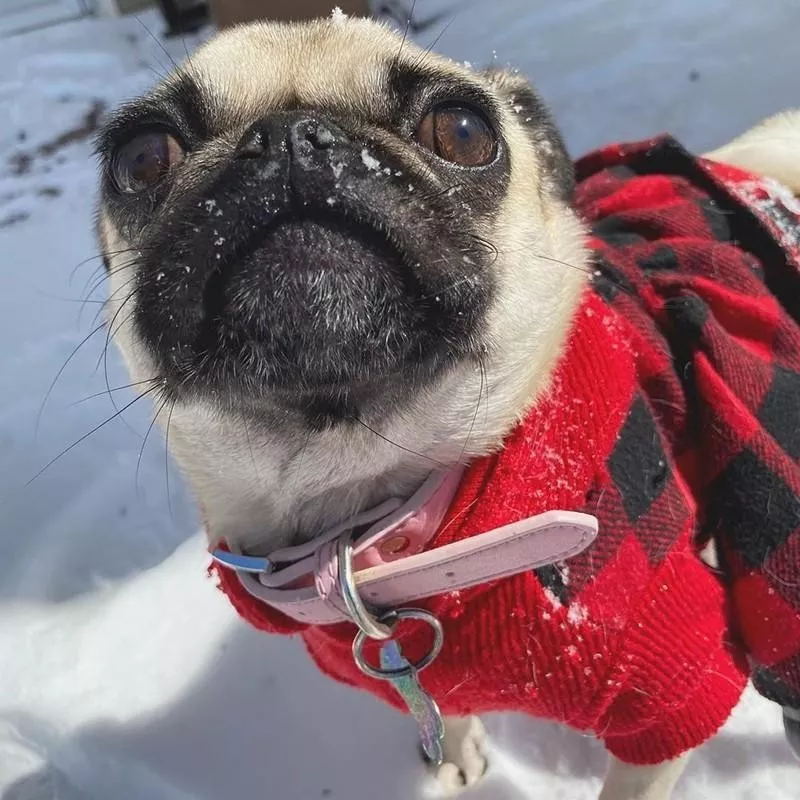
[464,755]
[636,782]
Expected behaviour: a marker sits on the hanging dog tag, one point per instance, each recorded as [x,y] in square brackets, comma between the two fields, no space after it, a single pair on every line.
[420,704]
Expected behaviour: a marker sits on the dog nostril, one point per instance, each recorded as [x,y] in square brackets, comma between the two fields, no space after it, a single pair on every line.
[320,137]
[253,146]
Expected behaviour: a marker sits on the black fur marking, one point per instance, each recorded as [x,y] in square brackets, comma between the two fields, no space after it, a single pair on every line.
[180,105]
[534,115]
[316,270]
[413,91]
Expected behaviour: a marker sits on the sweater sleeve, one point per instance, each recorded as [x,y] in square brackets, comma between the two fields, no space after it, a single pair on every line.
[679,676]
[711,254]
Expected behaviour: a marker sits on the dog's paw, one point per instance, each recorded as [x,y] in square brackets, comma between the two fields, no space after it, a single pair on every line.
[465,760]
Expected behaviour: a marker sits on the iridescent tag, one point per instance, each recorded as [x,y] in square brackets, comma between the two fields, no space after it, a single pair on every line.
[420,704]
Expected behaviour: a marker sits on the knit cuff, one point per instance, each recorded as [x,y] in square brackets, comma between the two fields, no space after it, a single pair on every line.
[701,716]
[680,679]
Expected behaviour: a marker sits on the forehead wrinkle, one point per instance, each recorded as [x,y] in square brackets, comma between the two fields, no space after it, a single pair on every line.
[265,66]
[247,72]
[327,74]
[244,92]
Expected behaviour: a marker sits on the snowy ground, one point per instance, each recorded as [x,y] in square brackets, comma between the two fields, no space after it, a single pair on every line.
[123,675]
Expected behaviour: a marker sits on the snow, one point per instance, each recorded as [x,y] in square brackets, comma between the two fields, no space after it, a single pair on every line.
[370,162]
[577,614]
[124,675]
[555,603]
[338,16]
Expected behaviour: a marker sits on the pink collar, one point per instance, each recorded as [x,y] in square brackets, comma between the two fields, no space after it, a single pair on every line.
[390,563]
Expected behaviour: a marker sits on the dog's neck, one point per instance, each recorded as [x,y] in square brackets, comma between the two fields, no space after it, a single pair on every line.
[281,495]
[265,487]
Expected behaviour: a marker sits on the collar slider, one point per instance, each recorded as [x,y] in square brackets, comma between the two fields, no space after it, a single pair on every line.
[242,563]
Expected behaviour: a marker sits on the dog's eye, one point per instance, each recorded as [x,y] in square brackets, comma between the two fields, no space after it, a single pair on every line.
[459,135]
[145,160]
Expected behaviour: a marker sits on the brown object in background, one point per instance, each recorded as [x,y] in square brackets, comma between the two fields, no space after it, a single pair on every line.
[231,12]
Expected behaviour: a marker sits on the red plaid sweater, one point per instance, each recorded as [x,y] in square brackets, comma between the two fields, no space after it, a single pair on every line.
[673,416]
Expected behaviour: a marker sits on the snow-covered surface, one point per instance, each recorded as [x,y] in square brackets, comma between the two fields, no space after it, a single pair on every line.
[123,674]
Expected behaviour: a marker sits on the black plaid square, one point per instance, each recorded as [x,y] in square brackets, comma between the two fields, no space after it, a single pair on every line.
[638,464]
[780,410]
[718,220]
[552,578]
[751,508]
[661,259]
[608,281]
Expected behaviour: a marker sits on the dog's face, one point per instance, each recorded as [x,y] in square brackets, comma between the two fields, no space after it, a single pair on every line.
[318,230]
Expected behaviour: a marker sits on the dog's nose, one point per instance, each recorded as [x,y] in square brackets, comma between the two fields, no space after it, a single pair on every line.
[300,137]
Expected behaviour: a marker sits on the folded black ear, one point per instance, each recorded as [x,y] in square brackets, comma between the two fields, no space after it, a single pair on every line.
[534,115]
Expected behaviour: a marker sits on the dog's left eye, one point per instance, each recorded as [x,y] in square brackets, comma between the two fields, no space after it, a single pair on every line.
[459,135]
[145,160]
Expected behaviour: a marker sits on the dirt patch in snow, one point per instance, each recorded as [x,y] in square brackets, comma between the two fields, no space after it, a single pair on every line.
[21,163]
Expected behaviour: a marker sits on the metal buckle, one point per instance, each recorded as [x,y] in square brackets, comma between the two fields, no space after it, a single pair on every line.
[381,627]
[367,623]
[390,620]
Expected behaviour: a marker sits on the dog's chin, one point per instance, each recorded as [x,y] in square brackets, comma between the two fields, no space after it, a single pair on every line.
[322,315]
[318,307]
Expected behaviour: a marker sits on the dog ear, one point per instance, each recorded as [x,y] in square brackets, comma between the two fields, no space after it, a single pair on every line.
[535,117]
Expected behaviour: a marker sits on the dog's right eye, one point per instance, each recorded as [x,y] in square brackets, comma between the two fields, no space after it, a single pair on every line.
[143,162]
[459,135]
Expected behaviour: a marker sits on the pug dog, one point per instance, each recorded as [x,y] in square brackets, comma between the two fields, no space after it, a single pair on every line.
[336,261]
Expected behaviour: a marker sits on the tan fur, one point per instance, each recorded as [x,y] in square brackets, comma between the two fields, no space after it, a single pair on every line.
[771,149]
[656,782]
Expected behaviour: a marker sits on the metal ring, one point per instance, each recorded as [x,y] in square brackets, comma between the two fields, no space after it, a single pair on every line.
[393,617]
[368,625]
